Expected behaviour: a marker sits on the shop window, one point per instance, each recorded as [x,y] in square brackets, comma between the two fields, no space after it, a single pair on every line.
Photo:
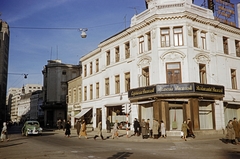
[117,84]
[85,93]
[175,116]
[237,46]
[85,70]
[141,44]
[203,39]
[127,81]
[108,57]
[225,45]
[165,37]
[117,55]
[127,50]
[97,90]
[178,36]
[149,45]
[195,37]
[144,78]
[173,73]
[233,79]
[205,115]
[202,73]
[107,86]
[97,65]
[90,68]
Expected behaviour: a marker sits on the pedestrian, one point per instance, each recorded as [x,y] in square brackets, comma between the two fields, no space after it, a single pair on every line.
[144,129]
[4,132]
[149,126]
[67,130]
[155,128]
[163,129]
[236,129]
[64,124]
[184,129]
[190,131]
[115,130]
[136,126]
[99,131]
[83,131]
[230,136]
[59,122]
[78,126]
[108,126]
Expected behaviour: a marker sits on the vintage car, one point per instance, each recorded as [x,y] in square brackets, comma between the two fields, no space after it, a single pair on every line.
[31,128]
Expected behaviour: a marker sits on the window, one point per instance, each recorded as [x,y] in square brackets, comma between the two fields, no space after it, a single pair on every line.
[79,94]
[203,39]
[165,37]
[127,50]
[178,36]
[149,45]
[91,91]
[63,72]
[108,58]
[117,84]
[141,44]
[117,56]
[85,70]
[225,45]
[69,97]
[195,41]
[97,90]
[74,95]
[237,46]
[85,93]
[97,65]
[107,86]
[173,73]
[127,81]
[202,73]
[145,77]
[233,79]
[90,68]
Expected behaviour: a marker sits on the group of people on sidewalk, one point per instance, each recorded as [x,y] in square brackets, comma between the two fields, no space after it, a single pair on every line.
[233,131]
[148,129]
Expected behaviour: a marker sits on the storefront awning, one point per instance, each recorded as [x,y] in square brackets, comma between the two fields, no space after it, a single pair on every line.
[83,111]
[143,102]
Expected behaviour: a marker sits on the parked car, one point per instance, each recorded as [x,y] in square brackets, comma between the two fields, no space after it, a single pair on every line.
[31,128]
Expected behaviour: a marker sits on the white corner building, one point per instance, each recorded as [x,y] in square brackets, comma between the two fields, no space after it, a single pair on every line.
[174,62]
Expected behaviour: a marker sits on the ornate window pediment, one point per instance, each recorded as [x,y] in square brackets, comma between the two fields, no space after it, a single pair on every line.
[202,58]
[145,61]
[173,55]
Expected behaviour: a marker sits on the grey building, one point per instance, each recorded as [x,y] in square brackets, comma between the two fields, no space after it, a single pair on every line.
[56,75]
[4,52]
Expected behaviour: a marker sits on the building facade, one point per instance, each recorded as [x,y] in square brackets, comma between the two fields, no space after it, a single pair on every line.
[14,100]
[56,75]
[74,98]
[4,57]
[174,62]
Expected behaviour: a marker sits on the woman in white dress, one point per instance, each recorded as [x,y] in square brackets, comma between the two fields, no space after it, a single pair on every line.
[163,129]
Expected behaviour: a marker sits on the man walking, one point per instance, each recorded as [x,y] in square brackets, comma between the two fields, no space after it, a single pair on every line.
[99,131]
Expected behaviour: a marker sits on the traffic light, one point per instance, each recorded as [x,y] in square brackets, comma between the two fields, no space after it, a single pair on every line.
[211,5]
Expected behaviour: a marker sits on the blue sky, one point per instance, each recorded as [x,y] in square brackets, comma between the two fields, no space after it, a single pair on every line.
[30,48]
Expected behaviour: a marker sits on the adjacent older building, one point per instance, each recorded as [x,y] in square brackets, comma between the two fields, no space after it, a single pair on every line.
[4,52]
[174,62]
[56,75]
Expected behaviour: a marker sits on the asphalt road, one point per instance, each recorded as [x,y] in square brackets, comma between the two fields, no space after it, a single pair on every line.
[54,145]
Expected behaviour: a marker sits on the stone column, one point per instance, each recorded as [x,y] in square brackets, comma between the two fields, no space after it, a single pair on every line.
[195,113]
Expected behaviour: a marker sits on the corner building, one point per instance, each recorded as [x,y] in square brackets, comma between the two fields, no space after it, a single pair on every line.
[174,62]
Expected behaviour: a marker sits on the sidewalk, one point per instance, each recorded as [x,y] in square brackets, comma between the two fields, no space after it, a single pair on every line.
[131,138]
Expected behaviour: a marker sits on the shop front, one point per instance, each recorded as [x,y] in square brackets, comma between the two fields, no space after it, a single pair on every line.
[175,103]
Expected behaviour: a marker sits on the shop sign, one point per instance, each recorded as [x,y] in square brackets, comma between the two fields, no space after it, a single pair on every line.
[142,91]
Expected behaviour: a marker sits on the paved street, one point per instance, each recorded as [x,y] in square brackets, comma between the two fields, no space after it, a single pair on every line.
[54,145]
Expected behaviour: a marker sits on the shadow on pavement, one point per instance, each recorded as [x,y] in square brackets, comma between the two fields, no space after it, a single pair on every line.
[121,155]
[8,145]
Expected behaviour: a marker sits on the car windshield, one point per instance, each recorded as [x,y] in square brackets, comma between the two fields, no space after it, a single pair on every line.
[32,123]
